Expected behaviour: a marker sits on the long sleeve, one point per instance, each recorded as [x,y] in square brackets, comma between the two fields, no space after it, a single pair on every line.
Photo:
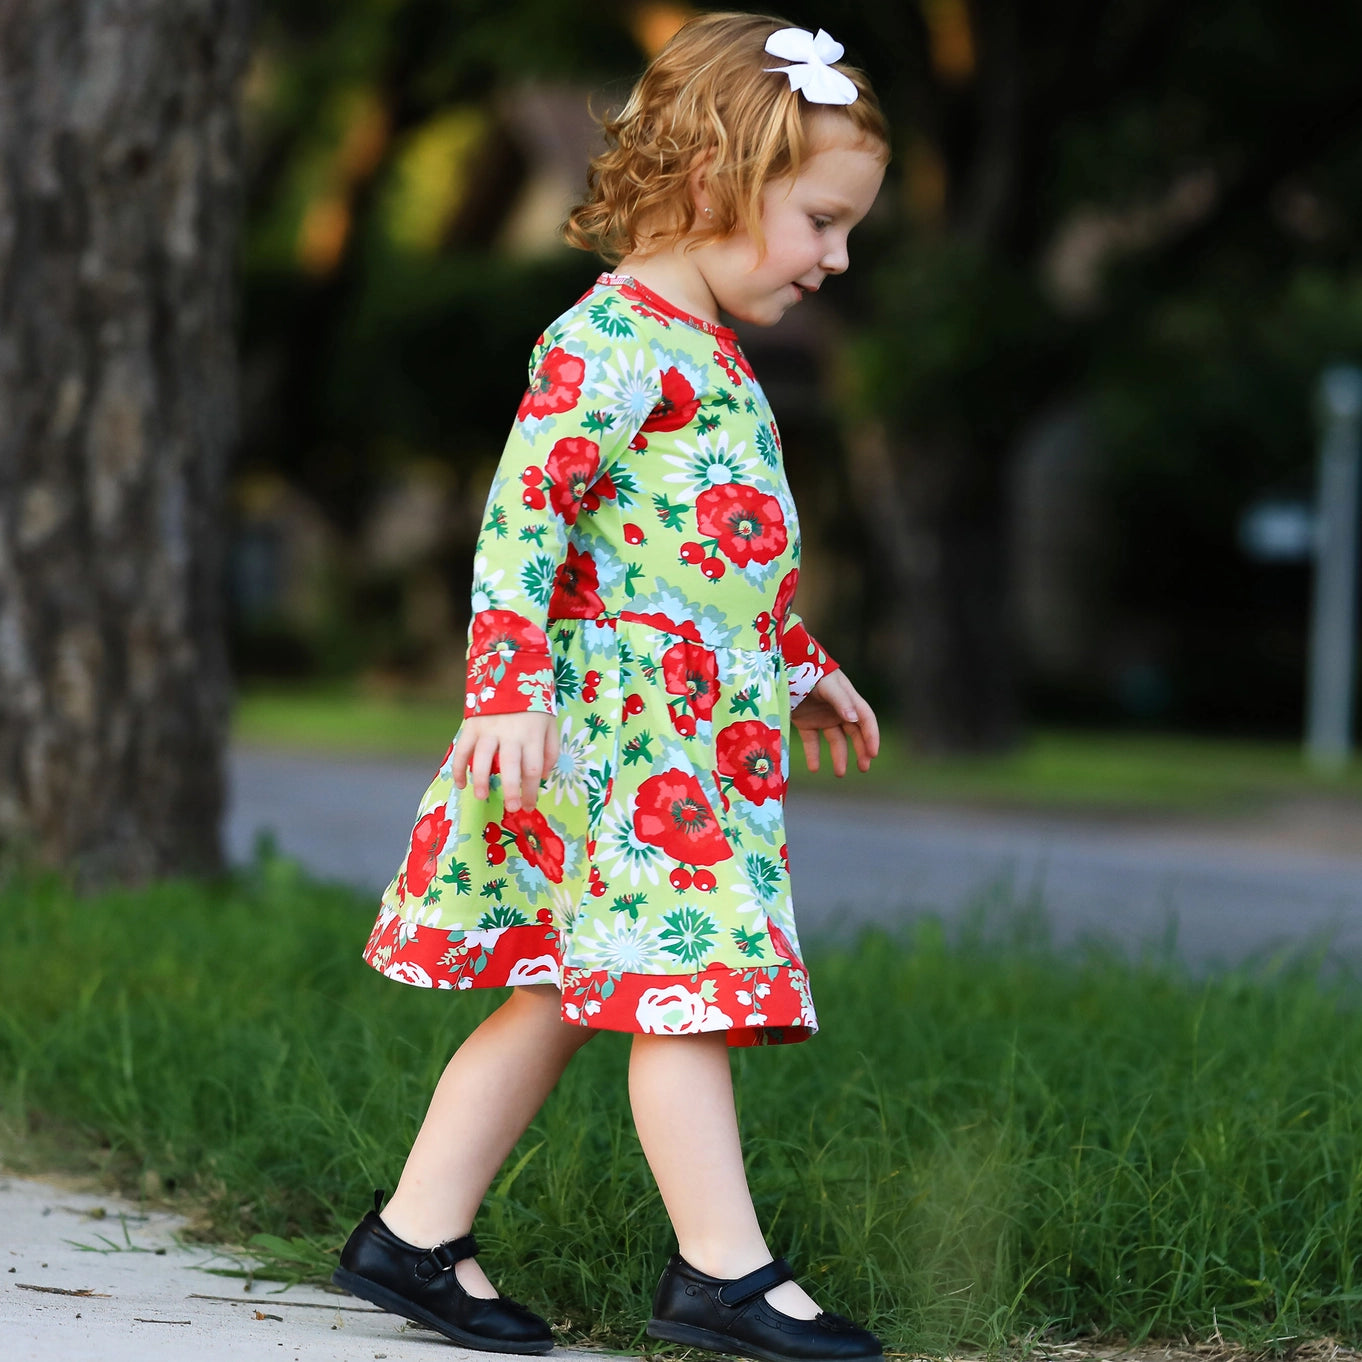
[807,662]
[585,403]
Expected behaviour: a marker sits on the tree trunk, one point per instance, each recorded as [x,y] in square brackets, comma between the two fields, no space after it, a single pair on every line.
[938,520]
[120,183]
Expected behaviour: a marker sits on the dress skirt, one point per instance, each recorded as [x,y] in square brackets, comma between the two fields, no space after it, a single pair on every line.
[651,882]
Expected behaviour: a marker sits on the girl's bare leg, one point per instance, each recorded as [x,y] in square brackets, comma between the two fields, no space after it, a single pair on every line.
[486,1097]
[681,1088]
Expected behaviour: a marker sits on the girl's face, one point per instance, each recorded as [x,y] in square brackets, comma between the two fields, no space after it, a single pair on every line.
[806,220]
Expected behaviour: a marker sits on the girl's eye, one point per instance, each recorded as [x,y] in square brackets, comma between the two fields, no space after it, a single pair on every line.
[821,224]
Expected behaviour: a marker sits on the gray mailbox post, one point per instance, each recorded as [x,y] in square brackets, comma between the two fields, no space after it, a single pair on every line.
[1333,624]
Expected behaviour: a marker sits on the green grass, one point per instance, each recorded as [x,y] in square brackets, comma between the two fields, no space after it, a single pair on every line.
[985,1139]
[347,721]
[1114,772]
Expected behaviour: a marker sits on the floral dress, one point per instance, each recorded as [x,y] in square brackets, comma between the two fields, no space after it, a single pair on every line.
[634,577]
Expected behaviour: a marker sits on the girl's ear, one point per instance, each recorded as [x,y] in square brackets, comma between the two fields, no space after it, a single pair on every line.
[697,182]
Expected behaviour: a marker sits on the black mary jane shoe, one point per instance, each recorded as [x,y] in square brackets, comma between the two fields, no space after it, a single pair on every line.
[734,1317]
[420,1284]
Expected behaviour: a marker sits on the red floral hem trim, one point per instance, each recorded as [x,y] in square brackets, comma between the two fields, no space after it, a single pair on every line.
[763,1005]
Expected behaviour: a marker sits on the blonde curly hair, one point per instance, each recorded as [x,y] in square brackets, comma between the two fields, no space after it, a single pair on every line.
[705,98]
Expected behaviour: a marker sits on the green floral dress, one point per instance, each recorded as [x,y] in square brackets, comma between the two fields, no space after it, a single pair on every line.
[634,577]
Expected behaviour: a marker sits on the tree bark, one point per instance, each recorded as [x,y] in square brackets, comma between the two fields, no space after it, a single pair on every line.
[120,187]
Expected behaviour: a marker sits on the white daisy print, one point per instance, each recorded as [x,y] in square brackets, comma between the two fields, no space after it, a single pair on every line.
[707,463]
[488,593]
[620,852]
[628,388]
[566,778]
[619,947]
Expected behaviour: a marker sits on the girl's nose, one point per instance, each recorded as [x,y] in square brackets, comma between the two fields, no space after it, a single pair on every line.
[835,259]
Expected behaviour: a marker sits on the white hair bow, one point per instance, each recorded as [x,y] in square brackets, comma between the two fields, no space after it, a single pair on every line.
[813,74]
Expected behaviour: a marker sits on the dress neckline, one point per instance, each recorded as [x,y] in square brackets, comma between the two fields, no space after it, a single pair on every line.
[659,304]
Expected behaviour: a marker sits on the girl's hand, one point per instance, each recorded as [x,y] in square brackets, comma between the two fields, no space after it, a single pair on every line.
[525,746]
[833,709]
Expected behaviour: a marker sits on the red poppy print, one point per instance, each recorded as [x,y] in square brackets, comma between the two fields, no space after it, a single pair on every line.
[572,466]
[673,813]
[504,631]
[536,841]
[728,348]
[749,755]
[685,628]
[603,487]
[693,671]
[782,944]
[427,841]
[556,385]
[677,406]
[576,588]
[747,524]
[785,594]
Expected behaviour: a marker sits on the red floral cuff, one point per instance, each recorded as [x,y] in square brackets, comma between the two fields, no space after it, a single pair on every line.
[807,662]
[509,667]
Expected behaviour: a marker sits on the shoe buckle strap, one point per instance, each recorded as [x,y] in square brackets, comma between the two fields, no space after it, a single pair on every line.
[443,1257]
[743,1289]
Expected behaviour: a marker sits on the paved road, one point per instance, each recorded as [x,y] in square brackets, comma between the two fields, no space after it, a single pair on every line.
[1229,892]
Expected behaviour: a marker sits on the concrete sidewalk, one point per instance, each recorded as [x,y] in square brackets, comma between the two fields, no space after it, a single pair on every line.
[88,1278]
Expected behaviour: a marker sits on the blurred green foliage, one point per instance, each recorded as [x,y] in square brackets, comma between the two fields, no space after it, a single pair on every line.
[1145,213]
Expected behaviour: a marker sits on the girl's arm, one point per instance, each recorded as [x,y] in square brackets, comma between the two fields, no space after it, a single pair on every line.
[563,443]
[834,710]
[554,470]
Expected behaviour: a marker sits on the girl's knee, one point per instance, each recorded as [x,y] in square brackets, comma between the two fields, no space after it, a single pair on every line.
[542,1000]
[546,1001]
[541,994]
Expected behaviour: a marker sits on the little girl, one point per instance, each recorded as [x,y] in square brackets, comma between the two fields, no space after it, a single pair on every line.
[606,832]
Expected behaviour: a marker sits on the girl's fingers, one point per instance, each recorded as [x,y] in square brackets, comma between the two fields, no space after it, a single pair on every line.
[483,753]
[552,746]
[837,745]
[462,745]
[870,729]
[511,763]
[531,772]
[809,737]
[860,743]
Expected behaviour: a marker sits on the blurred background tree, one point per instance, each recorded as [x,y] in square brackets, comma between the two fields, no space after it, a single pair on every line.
[1117,243]
[1136,217]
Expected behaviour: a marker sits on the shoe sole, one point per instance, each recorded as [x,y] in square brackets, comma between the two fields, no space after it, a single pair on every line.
[400,1305]
[694,1337]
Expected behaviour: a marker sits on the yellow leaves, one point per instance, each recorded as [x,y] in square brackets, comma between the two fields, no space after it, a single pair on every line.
[430,177]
